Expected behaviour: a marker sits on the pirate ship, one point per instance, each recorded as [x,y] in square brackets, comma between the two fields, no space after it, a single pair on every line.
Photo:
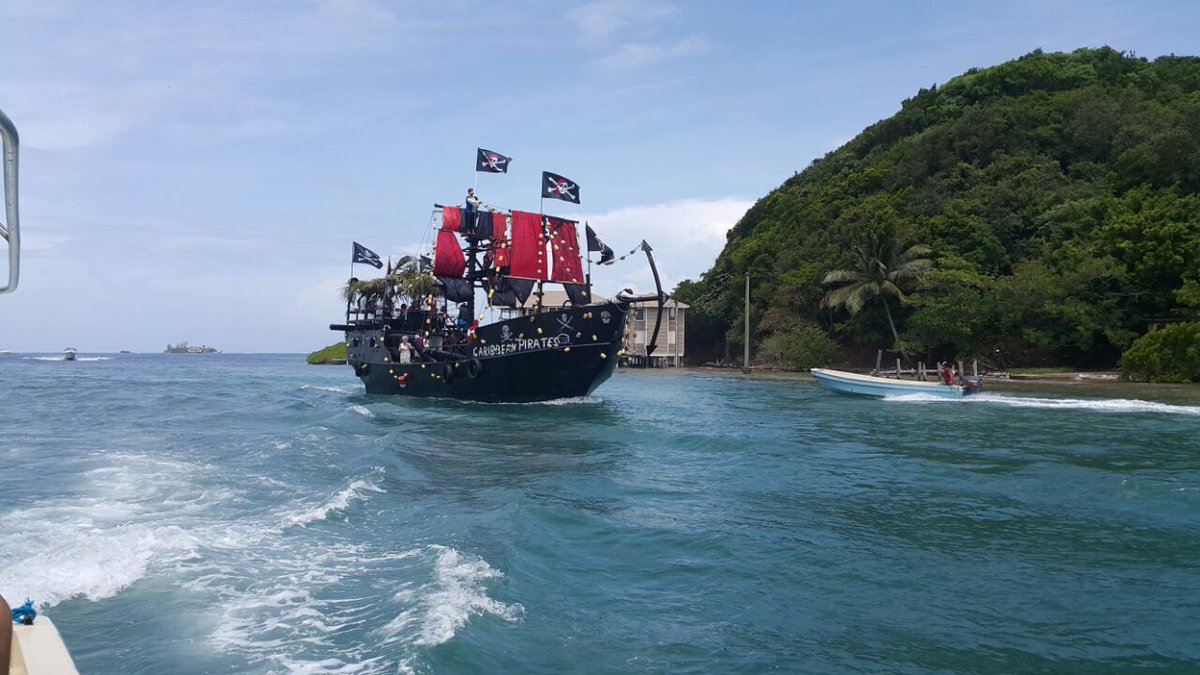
[503,344]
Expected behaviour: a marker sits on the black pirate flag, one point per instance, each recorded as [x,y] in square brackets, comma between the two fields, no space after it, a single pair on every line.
[555,186]
[491,162]
[366,256]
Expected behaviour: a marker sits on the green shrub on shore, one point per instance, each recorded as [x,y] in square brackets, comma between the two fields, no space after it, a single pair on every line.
[1170,354]
[334,353]
[801,348]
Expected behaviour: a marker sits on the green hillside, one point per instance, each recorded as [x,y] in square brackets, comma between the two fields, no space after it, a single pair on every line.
[1056,197]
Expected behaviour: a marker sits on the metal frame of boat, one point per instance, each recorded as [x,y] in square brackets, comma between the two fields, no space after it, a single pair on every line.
[870,385]
[33,648]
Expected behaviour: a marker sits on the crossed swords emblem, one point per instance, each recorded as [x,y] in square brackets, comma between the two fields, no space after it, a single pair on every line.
[564,322]
[562,187]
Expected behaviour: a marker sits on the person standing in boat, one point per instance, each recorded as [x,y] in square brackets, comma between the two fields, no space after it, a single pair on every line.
[947,373]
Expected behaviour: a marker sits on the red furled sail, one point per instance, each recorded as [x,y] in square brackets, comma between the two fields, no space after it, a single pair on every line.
[528,247]
[448,258]
[451,218]
[500,240]
[564,245]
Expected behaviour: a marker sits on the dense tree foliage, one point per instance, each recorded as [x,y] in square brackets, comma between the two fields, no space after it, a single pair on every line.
[1171,354]
[1058,195]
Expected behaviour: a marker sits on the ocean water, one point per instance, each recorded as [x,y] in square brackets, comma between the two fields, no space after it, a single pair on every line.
[253,514]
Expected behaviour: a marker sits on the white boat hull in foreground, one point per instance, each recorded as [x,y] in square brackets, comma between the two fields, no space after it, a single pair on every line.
[39,650]
[869,385]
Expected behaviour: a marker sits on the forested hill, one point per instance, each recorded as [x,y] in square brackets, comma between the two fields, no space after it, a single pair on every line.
[1055,198]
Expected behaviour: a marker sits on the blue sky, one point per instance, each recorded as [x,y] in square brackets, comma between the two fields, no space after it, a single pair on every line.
[197,171]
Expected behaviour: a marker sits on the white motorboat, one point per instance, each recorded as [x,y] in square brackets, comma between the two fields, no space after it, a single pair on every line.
[69,354]
[869,385]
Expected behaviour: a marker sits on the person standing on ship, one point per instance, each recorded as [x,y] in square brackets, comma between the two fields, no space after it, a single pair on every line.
[470,210]
[406,349]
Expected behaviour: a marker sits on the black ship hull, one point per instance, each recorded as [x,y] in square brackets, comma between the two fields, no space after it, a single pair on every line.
[561,353]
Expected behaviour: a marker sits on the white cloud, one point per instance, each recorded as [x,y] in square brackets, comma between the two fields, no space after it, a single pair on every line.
[686,237]
[632,33]
[639,55]
[598,22]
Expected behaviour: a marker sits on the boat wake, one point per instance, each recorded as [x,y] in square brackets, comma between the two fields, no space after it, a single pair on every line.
[437,608]
[574,400]
[348,389]
[337,503]
[1117,405]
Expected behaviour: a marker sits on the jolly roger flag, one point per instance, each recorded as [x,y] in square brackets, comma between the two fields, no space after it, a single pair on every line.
[594,244]
[364,255]
[491,162]
[555,186]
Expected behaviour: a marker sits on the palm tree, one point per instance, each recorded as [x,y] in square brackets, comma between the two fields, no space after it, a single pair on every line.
[410,279]
[880,269]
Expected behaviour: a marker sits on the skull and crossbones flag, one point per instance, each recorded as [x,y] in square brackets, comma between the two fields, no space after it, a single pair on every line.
[491,162]
[366,256]
[555,186]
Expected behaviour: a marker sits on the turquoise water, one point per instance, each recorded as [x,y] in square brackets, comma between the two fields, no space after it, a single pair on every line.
[252,514]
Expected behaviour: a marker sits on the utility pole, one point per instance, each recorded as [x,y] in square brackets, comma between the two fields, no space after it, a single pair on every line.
[746,339]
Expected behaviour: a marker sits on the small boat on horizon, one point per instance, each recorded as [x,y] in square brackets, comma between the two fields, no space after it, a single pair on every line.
[5,352]
[69,354]
[869,385]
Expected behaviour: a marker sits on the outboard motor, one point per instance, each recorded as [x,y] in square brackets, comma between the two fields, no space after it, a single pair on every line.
[972,385]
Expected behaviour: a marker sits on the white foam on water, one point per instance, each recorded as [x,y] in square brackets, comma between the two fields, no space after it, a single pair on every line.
[336,503]
[348,389]
[132,517]
[1113,405]
[285,603]
[274,606]
[363,410]
[436,610]
[574,400]
[59,555]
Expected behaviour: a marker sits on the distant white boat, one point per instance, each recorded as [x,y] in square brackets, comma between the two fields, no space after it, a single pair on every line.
[69,354]
[869,385]
[5,352]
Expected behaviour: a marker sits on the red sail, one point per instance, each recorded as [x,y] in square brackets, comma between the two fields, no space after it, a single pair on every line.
[500,239]
[451,218]
[564,244]
[448,258]
[528,247]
